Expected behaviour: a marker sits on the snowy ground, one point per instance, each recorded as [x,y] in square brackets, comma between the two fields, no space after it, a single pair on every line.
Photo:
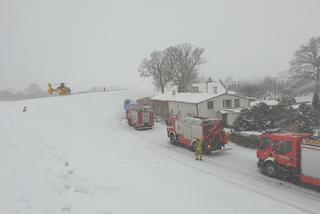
[76,154]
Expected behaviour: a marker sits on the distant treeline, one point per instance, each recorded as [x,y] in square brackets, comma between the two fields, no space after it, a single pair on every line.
[32,91]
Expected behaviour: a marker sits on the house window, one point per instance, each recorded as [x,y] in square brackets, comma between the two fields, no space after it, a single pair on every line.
[179,113]
[195,89]
[210,104]
[237,103]
[215,90]
[227,104]
[177,105]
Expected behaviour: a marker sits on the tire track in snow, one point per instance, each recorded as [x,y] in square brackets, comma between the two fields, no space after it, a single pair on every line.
[215,175]
[273,181]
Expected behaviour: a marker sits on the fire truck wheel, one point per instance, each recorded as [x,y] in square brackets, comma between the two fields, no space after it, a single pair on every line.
[271,169]
[172,139]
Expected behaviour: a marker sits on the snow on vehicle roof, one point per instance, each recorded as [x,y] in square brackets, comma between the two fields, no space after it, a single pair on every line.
[186,97]
[248,133]
[198,121]
[142,108]
[287,134]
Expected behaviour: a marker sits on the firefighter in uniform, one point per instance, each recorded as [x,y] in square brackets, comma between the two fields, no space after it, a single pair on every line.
[50,89]
[198,149]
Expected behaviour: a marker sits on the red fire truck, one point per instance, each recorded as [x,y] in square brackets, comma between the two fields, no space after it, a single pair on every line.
[210,131]
[141,117]
[293,156]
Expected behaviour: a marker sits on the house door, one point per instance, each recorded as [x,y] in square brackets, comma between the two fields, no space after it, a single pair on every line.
[225,119]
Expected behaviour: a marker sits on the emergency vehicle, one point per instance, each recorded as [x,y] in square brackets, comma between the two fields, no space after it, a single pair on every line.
[293,156]
[140,117]
[186,130]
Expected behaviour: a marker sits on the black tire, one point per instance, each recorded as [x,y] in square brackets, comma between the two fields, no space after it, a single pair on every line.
[172,139]
[271,169]
[216,145]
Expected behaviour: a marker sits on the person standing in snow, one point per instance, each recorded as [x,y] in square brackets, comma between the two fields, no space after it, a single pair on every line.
[198,149]
[50,89]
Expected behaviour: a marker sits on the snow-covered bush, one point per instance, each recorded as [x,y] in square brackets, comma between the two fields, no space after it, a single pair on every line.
[257,117]
[310,117]
[245,139]
[304,119]
[261,117]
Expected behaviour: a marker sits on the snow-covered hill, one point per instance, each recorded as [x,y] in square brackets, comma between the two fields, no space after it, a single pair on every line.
[76,154]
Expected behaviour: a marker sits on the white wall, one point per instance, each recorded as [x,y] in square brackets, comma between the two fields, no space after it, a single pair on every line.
[218,101]
[204,111]
[186,109]
[310,158]
[231,118]
[218,105]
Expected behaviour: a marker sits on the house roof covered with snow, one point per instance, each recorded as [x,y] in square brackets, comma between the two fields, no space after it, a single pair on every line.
[189,97]
[186,97]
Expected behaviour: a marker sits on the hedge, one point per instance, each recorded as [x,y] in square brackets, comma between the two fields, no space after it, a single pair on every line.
[246,140]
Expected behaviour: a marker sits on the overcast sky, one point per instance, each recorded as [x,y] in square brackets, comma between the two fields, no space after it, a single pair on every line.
[93,42]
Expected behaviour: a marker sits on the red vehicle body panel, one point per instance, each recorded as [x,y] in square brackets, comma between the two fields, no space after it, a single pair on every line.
[310,180]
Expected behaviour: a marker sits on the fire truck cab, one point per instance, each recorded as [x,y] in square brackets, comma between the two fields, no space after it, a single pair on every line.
[290,155]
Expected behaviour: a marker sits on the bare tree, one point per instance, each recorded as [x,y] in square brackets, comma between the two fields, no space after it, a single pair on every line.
[184,62]
[6,94]
[156,67]
[305,65]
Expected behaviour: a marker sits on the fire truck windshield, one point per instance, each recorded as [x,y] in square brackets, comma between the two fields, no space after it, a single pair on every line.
[284,147]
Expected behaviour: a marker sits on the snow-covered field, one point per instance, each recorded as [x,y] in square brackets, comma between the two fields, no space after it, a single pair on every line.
[76,154]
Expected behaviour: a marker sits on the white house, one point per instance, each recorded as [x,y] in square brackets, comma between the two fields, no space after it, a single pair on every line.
[215,87]
[207,105]
[307,99]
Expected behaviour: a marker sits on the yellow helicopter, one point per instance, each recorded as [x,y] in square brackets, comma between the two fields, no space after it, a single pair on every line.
[62,89]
